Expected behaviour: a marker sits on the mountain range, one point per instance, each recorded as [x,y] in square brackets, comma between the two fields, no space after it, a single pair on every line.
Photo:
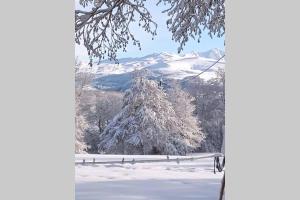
[109,75]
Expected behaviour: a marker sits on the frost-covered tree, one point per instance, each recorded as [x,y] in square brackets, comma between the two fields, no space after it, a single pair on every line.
[147,124]
[104,26]
[210,109]
[80,127]
[188,18]
[107,106]
[82,80]
[184,108]
[99,108]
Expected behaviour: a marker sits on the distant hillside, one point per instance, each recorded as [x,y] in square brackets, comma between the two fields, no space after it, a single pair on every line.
[159,65]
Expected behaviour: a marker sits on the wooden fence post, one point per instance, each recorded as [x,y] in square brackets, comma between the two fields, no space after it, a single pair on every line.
[214,165]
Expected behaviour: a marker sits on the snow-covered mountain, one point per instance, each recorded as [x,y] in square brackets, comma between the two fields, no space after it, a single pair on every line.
[163,65]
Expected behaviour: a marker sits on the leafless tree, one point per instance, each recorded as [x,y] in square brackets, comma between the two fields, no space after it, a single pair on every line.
[210,109]
[98,107]
[81,81]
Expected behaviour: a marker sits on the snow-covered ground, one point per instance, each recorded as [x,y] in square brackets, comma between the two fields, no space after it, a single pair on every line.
[188,180]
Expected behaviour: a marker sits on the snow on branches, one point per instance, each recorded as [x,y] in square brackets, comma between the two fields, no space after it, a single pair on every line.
[187,18]
[105,27]
[184,109]
[147,124]
[210,109]
[80,126]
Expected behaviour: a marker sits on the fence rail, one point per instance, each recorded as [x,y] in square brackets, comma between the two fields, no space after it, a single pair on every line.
[93,161]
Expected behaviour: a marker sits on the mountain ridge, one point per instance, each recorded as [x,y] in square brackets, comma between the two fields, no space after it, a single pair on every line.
[164,64]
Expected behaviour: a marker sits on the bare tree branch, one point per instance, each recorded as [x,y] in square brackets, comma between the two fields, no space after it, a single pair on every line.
[106,28]
[188,18]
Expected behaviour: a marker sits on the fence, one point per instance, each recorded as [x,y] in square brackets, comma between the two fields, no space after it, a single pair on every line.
[215,156]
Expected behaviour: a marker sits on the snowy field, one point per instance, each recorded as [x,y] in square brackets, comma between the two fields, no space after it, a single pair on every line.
[186,180]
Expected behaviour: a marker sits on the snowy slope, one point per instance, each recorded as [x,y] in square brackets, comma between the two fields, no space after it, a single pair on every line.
[188,180]
[165,65]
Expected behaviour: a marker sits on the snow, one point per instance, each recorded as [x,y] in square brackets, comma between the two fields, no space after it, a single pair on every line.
[188,180]
[167,65]
[148,123]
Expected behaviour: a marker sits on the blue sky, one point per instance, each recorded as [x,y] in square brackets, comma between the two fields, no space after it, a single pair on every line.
[163,41]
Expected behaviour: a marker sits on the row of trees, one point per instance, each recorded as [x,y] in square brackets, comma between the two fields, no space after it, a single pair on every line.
[150,119]
[210,109]
[93,110]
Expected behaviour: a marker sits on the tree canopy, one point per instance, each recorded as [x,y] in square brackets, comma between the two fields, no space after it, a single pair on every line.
[148,124]
[104,26]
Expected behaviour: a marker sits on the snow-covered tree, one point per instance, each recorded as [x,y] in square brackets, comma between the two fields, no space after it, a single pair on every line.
[184,109]
[210,109]
[80,127]
[99,108]
[104,26]
[147,124]
[107,106]
[188,19]
[82,80]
